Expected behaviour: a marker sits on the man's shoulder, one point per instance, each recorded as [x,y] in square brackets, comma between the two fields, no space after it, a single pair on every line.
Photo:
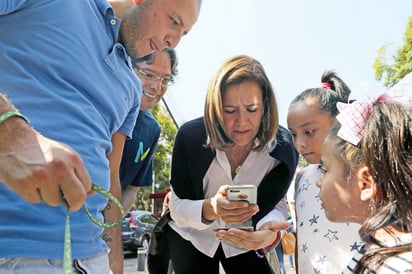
[146,120]
[146,127]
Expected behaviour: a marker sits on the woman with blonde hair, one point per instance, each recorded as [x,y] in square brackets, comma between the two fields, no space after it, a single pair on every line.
[237,142]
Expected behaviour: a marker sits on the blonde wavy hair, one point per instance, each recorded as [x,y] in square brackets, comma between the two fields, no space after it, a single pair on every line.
[234,71]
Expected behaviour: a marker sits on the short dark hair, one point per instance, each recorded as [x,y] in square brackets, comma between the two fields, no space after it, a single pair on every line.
[173,61]
[149,59]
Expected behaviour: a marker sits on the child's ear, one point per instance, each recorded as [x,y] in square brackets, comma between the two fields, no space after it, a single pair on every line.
[366,183]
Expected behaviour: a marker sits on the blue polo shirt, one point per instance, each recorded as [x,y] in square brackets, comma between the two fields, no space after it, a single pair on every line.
[61,65]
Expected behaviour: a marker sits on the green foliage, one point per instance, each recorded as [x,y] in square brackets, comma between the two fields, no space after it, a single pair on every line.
[162,157]
[142,198]
[402,60]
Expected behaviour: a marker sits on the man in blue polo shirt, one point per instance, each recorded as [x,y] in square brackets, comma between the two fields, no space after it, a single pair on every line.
[136,167]
[63,67]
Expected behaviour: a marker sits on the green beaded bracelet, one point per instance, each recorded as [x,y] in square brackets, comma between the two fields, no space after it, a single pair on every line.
[8,114]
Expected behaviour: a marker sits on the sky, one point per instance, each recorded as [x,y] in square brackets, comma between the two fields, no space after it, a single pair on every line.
[295,40]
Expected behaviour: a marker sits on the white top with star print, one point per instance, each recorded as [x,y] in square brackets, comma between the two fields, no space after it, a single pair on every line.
[323,246]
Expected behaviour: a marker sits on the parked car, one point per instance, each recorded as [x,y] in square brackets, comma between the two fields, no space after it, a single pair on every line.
[137,228]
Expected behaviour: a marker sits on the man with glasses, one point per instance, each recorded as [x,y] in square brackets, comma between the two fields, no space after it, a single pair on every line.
[137,162]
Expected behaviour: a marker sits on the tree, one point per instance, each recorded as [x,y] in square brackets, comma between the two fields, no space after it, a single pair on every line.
[402,60]
[163,154]
[162,157]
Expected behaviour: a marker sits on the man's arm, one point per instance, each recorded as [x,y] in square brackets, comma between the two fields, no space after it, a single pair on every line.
[38,168]
[112,236]
[128,197]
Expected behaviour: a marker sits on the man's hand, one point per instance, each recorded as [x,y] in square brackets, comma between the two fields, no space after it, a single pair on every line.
[41,169]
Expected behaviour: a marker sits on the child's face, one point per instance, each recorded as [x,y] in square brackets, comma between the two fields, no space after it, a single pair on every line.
[309,128]
[340,194]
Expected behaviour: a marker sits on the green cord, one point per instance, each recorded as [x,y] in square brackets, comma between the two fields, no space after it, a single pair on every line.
[67,259]
[108,195]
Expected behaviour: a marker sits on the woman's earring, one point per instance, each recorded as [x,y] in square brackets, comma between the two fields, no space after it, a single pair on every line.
[372,206]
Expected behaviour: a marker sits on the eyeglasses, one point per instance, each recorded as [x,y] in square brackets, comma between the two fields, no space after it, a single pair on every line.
[152,77]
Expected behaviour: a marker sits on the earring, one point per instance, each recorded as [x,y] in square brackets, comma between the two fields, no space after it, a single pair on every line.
[372,206]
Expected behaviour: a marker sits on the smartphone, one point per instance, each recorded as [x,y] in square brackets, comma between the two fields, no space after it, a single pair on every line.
[246,228]
[247,193]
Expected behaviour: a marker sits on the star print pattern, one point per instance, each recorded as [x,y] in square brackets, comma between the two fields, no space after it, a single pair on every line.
[321,260]
[331,235]
[393,264]
[313,220]
[323,247]
[304,248]
[356,246]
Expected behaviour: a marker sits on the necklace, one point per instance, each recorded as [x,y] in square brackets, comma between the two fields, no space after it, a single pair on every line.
[236,166]
[237,169]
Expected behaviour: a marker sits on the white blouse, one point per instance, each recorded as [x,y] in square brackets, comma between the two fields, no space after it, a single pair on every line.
[187,214]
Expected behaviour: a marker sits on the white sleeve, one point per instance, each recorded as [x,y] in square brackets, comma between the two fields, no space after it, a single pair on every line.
[278,213]
[186,213]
